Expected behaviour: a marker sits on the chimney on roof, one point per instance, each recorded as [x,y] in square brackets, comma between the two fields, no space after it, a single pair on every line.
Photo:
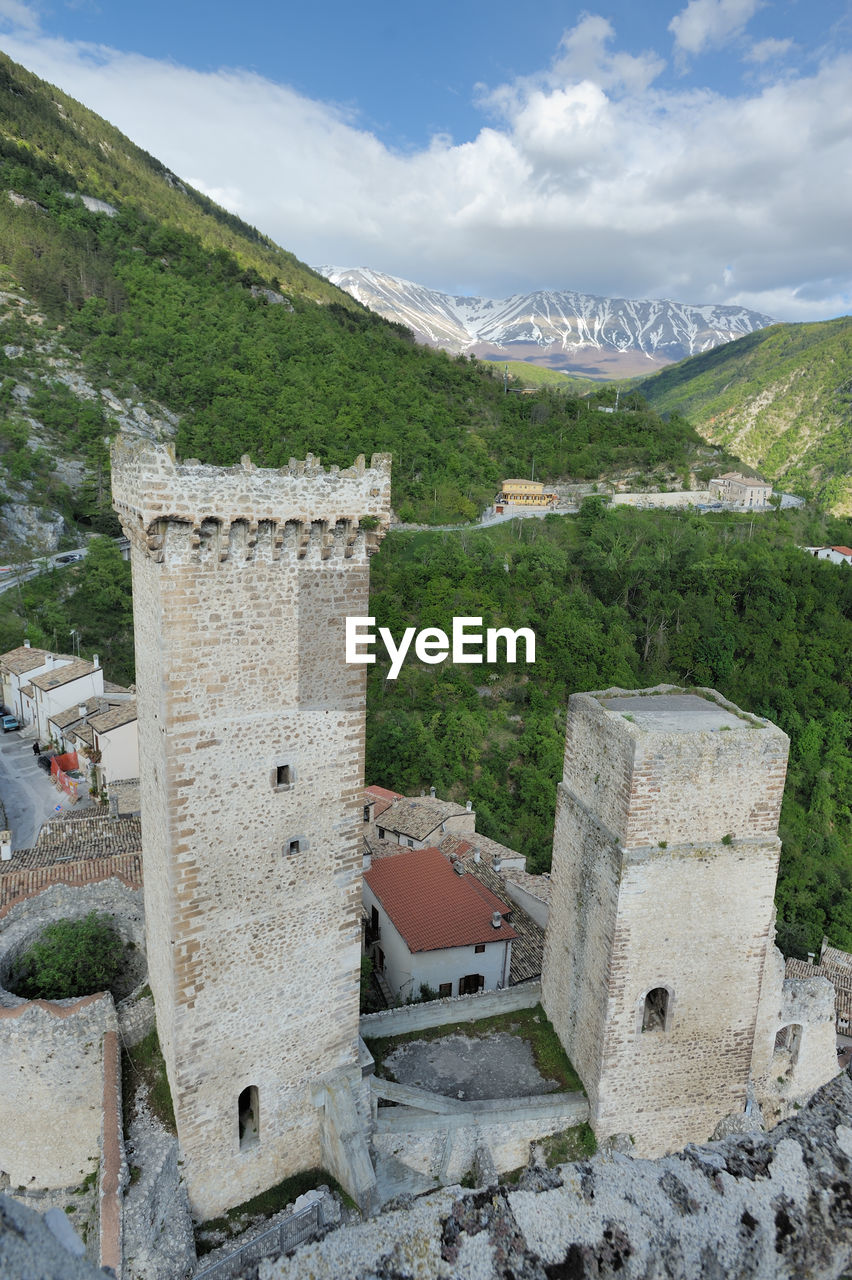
[48,660]
[82,710]
[497,864]
[458,867]
[811,957]
[496,920]
[26,644]
[96,662]
[432,792]
[5,846]
[477,856]
[468,805]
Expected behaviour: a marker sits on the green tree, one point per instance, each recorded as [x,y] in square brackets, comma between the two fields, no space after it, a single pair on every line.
[72,958]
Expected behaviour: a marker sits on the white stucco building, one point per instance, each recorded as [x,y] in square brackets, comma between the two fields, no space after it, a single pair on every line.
[836,555]
[430,926]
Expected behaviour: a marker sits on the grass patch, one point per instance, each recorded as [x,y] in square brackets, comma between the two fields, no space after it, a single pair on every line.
[209,1235]
[577,1143]
[143,1067]
[531,1025]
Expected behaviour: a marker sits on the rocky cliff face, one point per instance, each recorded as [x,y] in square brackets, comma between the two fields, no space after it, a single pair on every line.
[563,329]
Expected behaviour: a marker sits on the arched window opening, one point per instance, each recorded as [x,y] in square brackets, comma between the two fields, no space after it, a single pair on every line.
[249,1114]
[656,1010]
[787,1044]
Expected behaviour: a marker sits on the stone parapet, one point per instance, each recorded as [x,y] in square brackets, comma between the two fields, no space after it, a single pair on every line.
[192,510]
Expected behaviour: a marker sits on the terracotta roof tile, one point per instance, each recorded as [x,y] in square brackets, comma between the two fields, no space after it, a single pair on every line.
[58,676]
[380,798]
[419,817]
[433,907]
[23,659]
[124,713]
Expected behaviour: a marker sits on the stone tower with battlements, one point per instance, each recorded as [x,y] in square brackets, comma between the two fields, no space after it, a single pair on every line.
[665,858]
[251,734]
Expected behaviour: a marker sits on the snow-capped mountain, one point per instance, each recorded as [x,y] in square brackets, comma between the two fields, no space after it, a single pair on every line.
[559,328]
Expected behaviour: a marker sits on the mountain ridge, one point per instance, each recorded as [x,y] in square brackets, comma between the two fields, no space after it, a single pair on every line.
[780,398]
[589,334]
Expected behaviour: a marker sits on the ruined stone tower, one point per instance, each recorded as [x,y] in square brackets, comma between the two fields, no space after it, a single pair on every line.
[251,737]
[665,858]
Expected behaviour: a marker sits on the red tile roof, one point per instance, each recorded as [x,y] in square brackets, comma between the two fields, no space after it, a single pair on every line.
[381,798]
[432,906]
[844,551]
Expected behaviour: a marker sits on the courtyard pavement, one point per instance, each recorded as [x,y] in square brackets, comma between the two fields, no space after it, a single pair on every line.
[459,1066]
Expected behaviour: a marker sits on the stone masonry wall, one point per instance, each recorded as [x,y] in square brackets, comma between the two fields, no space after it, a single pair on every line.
[242,580]
[669,784]
[52,1052]
[665,860]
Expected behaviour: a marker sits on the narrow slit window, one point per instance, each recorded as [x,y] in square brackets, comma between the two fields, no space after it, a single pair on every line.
[248,1109]
[294,846]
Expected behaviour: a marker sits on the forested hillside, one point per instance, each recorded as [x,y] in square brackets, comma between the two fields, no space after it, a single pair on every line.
[633,599]
[169,316]
[781,399]
[617,597]
[172,300]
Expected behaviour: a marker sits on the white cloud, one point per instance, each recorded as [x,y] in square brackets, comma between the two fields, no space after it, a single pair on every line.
[767,50]
[591,177]
[20,16]
[709,24]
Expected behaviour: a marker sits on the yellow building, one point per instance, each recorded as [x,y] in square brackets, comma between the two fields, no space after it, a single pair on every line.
[524,493]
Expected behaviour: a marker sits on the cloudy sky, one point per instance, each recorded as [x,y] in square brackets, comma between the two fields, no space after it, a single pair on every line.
[701,152]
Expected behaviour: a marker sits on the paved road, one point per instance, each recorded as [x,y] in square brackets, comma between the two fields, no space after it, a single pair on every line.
[28,795]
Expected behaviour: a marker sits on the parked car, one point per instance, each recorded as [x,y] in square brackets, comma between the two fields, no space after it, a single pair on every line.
[44,763]
[70,557]
[10,723]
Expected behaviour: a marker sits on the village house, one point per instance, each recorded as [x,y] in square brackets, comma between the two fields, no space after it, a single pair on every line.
[740,491]
[116,744]
[500,869]
[60,686]
[837,555]
[417,822]
[430,924]
[103,732]
[17,668]
[524,493]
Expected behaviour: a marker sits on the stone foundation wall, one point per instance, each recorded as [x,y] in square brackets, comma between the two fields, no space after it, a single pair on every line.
[51,1100]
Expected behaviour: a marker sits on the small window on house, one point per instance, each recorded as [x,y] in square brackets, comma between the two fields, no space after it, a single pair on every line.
[445,989]
[479,948]
[366,813]
[471,983]
[248,1110]
[381,833]
[656,1010]
[410,844]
